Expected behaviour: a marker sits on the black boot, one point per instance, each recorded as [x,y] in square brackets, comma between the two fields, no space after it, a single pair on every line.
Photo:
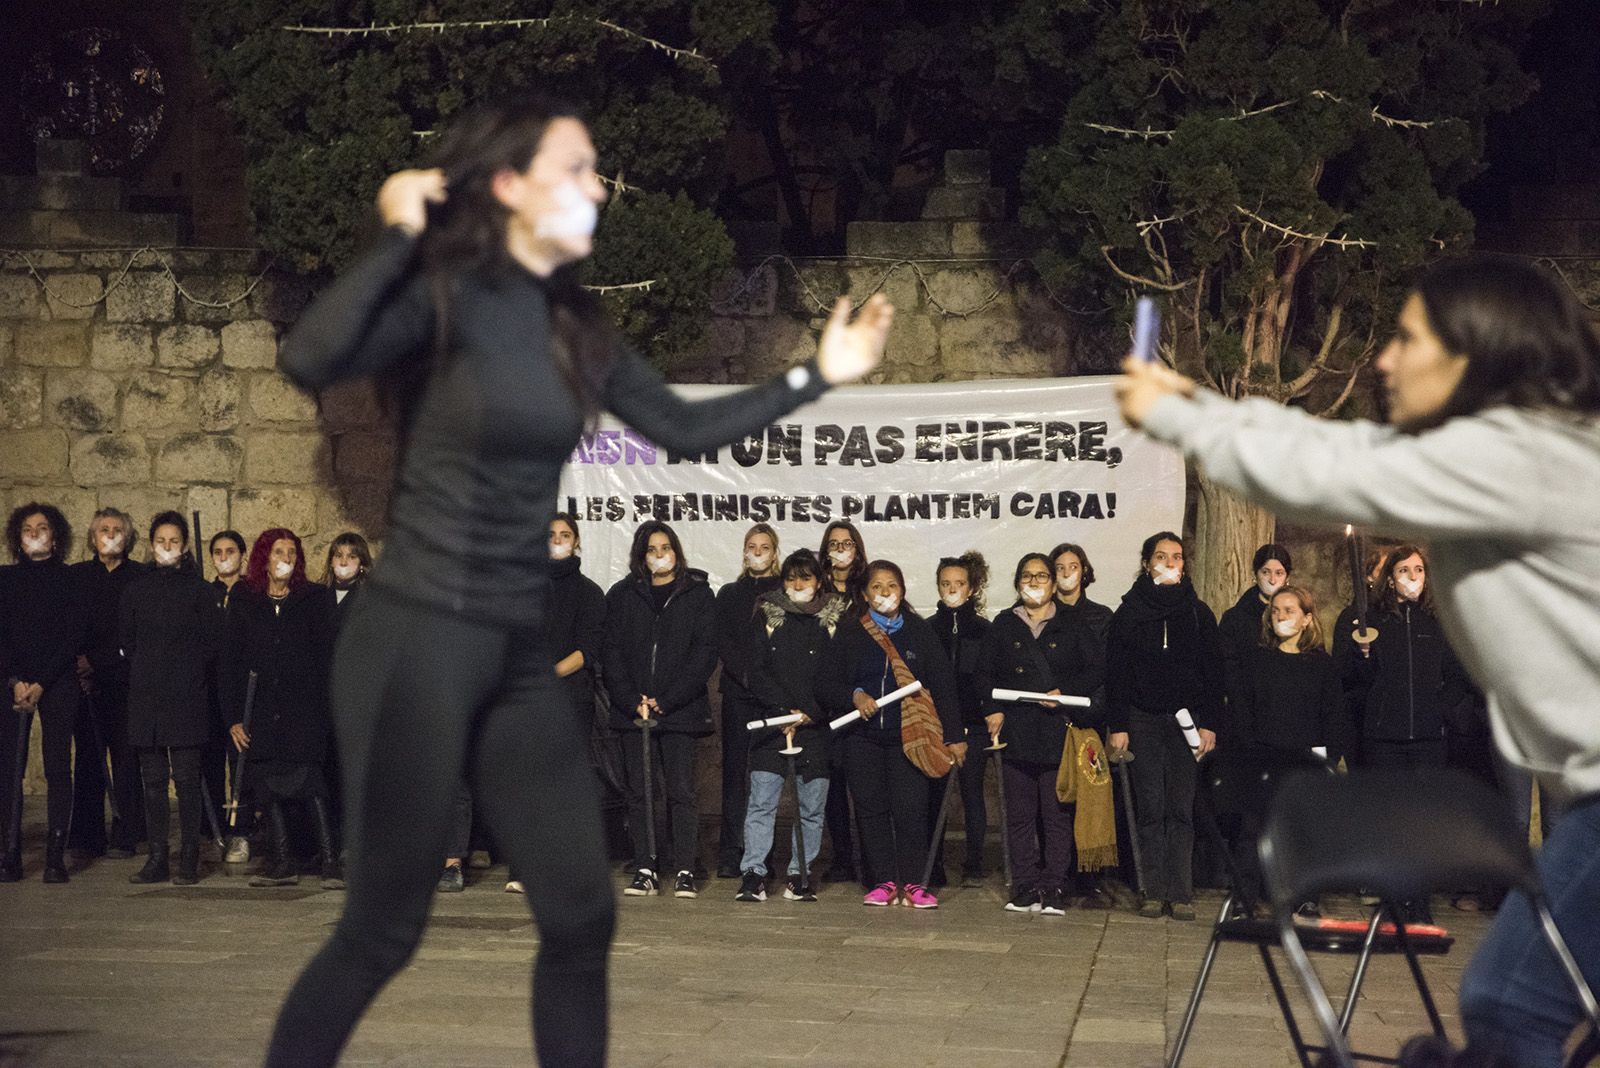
[55,857]
[188,864]
[156,869]
[280,868]
[191,804]
[327,854]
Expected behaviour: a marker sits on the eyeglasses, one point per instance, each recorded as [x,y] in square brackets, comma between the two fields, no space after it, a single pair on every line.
[1035,577]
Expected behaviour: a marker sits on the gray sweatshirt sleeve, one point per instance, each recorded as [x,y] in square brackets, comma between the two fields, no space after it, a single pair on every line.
[1461,479]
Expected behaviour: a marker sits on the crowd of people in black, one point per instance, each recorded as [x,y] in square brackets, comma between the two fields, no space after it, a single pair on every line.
[141,674]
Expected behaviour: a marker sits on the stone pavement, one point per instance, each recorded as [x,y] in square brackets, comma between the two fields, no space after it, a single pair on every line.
[101,972]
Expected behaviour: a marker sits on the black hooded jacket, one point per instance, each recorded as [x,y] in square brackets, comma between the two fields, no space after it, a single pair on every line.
[668,654]
[1163,653]
[1411,683]
[793,648]
[961,631]
[736,633]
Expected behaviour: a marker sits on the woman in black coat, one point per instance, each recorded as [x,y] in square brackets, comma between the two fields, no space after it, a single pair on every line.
[890,792]
[171,630]
[349,560]
[282,629]
[661,648]
[1037,646]
[960,626]
[1163,654]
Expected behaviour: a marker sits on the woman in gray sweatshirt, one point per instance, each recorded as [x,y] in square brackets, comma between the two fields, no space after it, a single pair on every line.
[1492,456]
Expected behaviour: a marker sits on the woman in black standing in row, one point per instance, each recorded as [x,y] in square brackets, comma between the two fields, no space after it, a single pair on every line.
[226,549]
[844,554]
[171,632]
[42,627]
[661,648]
[960,625]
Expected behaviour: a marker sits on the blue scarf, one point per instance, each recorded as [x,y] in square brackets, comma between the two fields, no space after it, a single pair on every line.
[890,626]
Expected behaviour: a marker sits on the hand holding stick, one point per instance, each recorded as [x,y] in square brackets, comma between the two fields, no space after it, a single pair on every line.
[850,717]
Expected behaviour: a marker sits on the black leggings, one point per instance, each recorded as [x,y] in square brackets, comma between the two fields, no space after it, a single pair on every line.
[891,797]
[421,698]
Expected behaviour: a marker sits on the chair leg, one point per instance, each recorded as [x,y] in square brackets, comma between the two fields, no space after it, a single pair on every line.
[1313,990]
[1193,1010]
[1558,945]
[1360,974]
[1416,969]
[1301,1050]
[1587,1050]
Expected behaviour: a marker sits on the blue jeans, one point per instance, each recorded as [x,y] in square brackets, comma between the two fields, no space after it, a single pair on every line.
[1515,999]
[761,815]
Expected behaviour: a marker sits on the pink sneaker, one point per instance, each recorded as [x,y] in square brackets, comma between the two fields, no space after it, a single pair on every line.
[919,897]
[882,894]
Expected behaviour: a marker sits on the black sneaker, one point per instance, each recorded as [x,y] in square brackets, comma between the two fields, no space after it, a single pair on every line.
[754,888]
[684,886]
[795,890]
[452,880]
[644,884]
[1026,899]
[1183,911]
[1096,897]
[1053,902]
[1151,909]
[728,871]
[972,877]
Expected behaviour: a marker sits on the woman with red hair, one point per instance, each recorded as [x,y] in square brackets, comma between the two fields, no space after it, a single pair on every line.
[283,631]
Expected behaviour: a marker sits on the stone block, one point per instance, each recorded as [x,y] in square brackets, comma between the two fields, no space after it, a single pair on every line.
[121,347]
[966,166]
[961,292]
[20,296]
[350,405]
[220,395]
[365,456]
[81,399]
[73,296]
[973,237]
[60,156]
[56,343]
[25,229]
[991,345]
[723,343]
[185,346]
[34,455]
[54,192]
[907,239]
[21,397]
[120,229]
[253,510]
[362,507]
[275,399]
[964,202]
[153,401]
[896,281]
[98,459]
[8,344]
[198,457]
[144,502]
[776,344]
[250,343]
[280,297]
[229,291]
[913,343]
[212,504]
[142,297]
[297,459]
[748,292]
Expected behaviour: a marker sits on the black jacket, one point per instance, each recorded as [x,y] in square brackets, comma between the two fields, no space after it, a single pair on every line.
[961,631]
[1290,702]
[339,607]
[792,650]
[1240,627]
[577,622]
[1411,683]
[1163,653]
[857,661]
[1073,661]
[102,601]
[171,631]
[669,654]
[737,640]
[289,647]
[43,621]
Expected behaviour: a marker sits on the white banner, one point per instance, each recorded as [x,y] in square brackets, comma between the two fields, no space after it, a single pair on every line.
[923,471]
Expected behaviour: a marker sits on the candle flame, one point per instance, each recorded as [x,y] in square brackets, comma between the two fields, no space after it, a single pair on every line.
[1349,530]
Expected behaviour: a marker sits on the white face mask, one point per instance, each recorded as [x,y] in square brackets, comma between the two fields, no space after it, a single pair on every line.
[803,596]
[111,544]
[1410,588]
[1035,595]
[757,561]
[660,565]
[1068,584]
[1268,588]
[953,600]
[1162,575]
[886,603]
[282,569]
[228,566]
[346,571]
[166,557]
[842,557]
[560,550]
[575,215]
[38,548]
[1286,628]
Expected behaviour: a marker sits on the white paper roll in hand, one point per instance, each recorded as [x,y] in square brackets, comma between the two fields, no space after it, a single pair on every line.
[775,721]
[1067,699]
[889,698]
[1190,735]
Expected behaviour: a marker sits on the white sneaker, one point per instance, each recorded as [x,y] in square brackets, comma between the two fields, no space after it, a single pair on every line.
[238,850]
[515,887]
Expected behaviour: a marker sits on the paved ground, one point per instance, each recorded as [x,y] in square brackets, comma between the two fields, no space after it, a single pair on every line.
[101,972]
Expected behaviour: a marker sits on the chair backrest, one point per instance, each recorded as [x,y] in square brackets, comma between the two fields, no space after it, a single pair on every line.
[1398,834]
[1245,779]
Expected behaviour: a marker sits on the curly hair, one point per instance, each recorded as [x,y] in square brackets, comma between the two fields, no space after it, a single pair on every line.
[255,575]
[977,569]
[60,529]
[130,533]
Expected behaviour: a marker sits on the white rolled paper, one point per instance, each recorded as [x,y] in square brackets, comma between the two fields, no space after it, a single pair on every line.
[894,695]
[1033,695]
[775,721]
[1321,751]
[1190,735]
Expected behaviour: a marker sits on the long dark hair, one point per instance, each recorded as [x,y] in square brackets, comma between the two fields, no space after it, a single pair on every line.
[1085,568]
[899,576]
[1388,594]
[856,580]
[1527,340]
[467,232]
[60,529]
[641,545]
[1148,549]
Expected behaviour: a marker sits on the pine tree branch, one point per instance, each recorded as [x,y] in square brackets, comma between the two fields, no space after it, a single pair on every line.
[390,29]
[1134,279]
[1317,239]
[1330,339]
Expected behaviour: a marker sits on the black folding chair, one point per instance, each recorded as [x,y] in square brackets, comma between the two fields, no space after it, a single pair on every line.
[1401,836]
[1236,783]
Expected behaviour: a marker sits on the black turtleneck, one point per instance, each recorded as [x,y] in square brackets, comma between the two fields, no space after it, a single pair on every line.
[1163,653]
[736,643]
[960,632]
[43,622]
[576,623]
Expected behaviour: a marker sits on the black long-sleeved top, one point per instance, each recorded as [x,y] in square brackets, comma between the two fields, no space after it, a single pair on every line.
[793,650]
[1066,656]
[487,435]
[288,644]
[961,631]
[43,621]
[661,641]
[577,623]
[1290,702]
[736,633]
[171,629]
[102,600]
[1411,683]
[1163,654]
[857,661]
